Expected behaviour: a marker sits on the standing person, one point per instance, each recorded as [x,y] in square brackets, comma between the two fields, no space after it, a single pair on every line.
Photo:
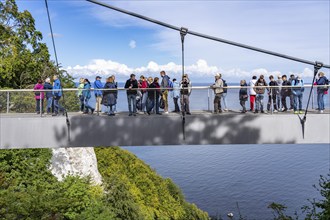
[153,96]
[218,90]
[292,78]
[297,91]
[143,85]
[39,96]
[260,90]
[279,94]
[98,93]
[109,98]
[165,84]
[321,82]
[285,92]
[185,93]
[80,94]
[272,94]
[87,96]
[243,95]
[57,94]
[49,95]
[252,92]
[131,85]
[116,83]
[224,95]
[176,95]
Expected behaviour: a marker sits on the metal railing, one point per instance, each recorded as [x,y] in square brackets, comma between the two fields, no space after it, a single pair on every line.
[201,99]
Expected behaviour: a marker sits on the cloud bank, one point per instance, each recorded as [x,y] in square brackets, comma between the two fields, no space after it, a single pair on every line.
[200,71]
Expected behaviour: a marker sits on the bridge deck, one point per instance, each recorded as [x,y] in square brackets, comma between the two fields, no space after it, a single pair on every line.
[31,130]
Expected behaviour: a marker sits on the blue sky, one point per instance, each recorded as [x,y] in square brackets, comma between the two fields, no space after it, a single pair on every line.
[92,40]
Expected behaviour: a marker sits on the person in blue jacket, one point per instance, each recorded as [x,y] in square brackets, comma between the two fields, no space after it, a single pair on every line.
[57,94]
[98,93]
[87,96]
[321,82]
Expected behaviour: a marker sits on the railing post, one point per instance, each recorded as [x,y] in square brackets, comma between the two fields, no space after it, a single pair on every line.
[7,102]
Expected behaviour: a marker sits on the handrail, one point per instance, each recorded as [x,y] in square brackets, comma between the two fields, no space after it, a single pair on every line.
[152,89]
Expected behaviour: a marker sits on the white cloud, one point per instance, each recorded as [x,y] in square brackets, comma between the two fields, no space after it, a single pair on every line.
[200,71]
[132,44]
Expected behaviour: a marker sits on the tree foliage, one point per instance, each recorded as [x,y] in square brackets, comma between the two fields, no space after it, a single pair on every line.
[137,192]
[24,58]
[131,190]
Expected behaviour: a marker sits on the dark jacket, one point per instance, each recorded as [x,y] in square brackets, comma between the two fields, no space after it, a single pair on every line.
[134,85]
[286,90]
[260,90]
[151,93]
[48,86]
[321,81]
[109,96]
[273,91]
[243,93]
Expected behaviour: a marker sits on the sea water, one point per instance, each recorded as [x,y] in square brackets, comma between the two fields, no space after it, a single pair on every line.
[217,178]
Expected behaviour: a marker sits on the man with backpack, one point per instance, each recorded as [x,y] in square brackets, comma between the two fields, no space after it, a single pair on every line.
[323,86]
[297,91]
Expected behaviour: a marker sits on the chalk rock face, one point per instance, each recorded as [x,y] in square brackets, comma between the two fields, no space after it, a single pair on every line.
[75,161]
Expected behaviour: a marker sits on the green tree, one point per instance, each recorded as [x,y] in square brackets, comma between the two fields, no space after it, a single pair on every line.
[24,58]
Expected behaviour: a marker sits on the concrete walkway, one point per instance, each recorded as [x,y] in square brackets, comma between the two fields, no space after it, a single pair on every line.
[33,131]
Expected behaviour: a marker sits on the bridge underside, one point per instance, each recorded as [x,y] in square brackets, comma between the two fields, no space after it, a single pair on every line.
[31,131]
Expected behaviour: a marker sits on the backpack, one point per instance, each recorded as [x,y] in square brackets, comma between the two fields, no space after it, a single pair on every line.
[225,86]
[170,84]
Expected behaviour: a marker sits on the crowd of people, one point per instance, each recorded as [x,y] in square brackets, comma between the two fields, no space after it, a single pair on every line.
[149,94]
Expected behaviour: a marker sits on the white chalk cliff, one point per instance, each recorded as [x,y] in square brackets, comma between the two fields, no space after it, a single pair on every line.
[75,161]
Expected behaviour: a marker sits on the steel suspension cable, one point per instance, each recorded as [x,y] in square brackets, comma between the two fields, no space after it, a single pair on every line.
[57,70]
[207,36]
